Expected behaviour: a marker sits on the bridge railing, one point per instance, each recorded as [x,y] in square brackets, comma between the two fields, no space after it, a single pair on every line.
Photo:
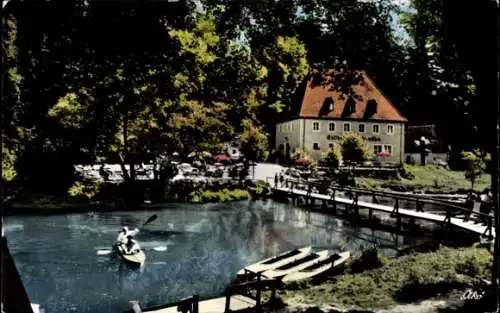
[189,304]
[259,283]
[452,209]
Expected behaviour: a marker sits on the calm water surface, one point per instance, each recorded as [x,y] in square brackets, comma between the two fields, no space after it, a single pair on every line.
[206,245]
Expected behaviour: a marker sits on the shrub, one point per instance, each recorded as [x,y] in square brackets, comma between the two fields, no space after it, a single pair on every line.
[355,150]
[368,260]
[224,195]
[333,156]
[406,172]
[86,189]
[475,162]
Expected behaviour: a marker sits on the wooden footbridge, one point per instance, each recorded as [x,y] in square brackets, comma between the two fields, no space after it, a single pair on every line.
[328,194]
[238,297]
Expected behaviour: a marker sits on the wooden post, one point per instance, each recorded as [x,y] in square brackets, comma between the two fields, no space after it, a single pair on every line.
[323,204]
[396,212]
[273,292]
[420,206]
[490,227]
[334,202]
[258,294]
[227,308]
[370,213]
[196,299]
[355,203]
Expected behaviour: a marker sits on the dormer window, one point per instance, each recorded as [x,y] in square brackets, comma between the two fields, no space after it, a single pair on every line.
[328,106]
[351,105]
[371,108]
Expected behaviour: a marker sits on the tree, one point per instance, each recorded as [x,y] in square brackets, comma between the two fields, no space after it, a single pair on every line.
[333,156]
[355,150]
[476,163]
[253,142]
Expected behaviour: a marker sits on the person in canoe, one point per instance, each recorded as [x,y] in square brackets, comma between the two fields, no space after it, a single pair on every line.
[124,233]
[131,246]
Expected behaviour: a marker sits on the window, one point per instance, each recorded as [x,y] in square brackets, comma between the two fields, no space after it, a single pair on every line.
[390,129]
[388,149]
[347,127]
[316,146]
[377,149]
[361,128]
[331,126]
[376,129]
[315,126]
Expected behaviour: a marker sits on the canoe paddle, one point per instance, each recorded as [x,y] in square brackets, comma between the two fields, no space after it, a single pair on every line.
[149,220]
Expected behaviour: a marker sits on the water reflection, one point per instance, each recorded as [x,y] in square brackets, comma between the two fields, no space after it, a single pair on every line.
[206,246]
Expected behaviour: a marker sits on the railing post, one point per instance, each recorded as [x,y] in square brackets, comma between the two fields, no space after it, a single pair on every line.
[273,291]
[227,308]
[355,203]
[490,227]
[419,206]
[196,299]
[334,202]
[396,207]
[258,294]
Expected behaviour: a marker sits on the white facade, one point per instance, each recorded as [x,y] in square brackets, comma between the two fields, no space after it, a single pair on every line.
[316,135]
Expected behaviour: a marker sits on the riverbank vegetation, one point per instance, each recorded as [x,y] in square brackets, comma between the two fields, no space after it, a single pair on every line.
[224,195]
[445,273]
[428,179]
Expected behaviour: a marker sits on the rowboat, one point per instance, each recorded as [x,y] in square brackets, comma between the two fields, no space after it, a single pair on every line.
[276,261]
[321,267]
[296,266]
[135,259]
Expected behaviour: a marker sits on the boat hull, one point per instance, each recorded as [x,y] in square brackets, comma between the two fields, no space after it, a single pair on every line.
[308,273]
[284,270]
[134,260]
[269,264]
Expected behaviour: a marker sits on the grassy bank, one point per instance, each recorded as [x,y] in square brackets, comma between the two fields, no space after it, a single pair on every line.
[445,273]
[427,179]
[224,195]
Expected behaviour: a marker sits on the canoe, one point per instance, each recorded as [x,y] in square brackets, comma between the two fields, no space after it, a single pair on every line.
[321,267]
[276,261]
[136,259]
[296,266]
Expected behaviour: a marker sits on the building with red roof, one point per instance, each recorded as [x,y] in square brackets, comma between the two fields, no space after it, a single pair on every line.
[330,104]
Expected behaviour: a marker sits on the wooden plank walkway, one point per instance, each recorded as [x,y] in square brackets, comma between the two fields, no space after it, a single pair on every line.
[217,305]
[468,225]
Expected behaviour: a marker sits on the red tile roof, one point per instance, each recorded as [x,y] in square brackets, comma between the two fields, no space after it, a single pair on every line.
[313,102]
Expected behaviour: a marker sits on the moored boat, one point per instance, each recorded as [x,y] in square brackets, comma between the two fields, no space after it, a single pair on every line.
[276,261]
[293,267]
[321,267]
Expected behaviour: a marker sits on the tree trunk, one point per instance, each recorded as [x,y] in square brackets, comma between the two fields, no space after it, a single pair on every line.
[129,175]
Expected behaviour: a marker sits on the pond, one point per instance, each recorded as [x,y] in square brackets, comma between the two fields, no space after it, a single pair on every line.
[207,244]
